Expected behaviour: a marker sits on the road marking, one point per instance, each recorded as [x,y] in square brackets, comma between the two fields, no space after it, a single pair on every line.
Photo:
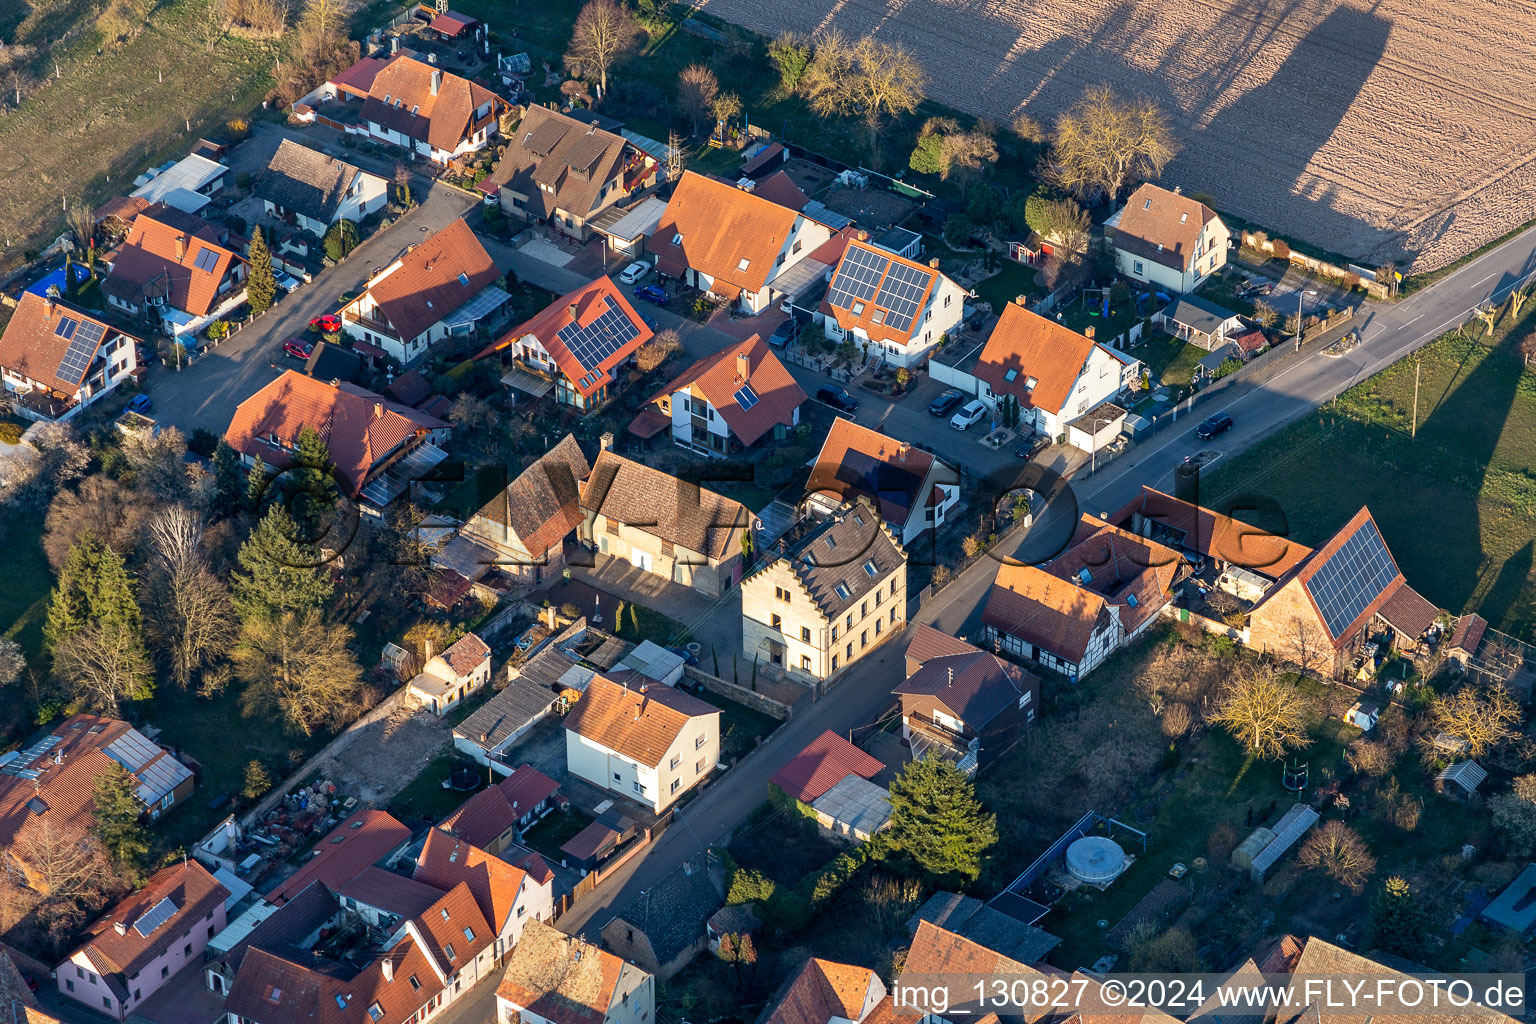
[1407,322]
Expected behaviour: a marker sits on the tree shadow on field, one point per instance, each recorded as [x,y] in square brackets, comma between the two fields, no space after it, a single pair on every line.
[1274,131]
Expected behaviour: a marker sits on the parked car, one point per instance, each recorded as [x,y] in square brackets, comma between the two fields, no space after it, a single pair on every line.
[286,281]
[785,333]
[1034,446]
[838,398]
[297,349]
[946,402]
[1217,424]
[653,293]
[971,413]
[634,272]
[140,403]
[330,323]
[683,652]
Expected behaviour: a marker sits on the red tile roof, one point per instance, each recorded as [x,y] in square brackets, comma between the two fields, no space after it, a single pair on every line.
[31,345]
[401,97]
[160,257]
[583,307]
[193,893]
[821,991]
[273,990]
[454,928]
[1029,345]
[361,429]
[349,849]
[1162,226]
[388,891]
[486,816]
[928,643]
[451,23]
[826,761]
[466,655]
[869,317]
[855,460]
[1309,569]
[640,723]
[721,226]
[446,862]
[780,188]
[1468,634]
[1212,534]
[1410,613]
[433,280]
[719,379]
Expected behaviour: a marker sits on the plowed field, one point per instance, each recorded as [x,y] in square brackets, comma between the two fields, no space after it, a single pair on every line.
[1404,129]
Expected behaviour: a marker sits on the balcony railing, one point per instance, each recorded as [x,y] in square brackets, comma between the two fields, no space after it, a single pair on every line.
[942,733]
[368,323]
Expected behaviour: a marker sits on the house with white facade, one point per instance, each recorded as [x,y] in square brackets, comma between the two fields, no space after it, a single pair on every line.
[890,305]
[509,896]
[645,741]
[1070,614]
[1167,239]
[187,185]
[726,402]
[440,287]
[588,984]
[1055,374]
[448,678]
[913,490]
[312,191]
[404,100]
[739,247]
[177,270]
[55,359]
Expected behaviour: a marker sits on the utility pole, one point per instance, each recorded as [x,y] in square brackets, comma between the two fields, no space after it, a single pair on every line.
[1413,431]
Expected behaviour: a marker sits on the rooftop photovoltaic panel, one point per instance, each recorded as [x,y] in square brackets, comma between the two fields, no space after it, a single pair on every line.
[65,328]
[84,339]
[858,277]
[600,339]
[1356,575]
[746,397]
[207,259]
[902,294]
[154,917]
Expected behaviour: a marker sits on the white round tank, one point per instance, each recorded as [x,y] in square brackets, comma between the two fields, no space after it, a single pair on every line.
[1095,859]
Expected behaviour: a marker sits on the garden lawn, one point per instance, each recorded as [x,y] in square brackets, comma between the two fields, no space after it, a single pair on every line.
[1169,360]
[1013,280]
[425,797]
[24,598]
[1085,312]
[1456,504]
[740,726]
[636,622]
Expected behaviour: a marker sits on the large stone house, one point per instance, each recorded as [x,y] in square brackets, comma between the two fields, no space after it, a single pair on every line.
[662,525]
[827,597]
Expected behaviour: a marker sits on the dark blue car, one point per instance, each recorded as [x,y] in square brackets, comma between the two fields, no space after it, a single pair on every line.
[140,403]
[653,293]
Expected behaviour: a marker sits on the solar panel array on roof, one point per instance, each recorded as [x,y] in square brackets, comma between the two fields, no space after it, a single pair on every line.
[746,397]
[858,277]
[600,339]
[1356,575]
[159,774]
[207,259]
[901,294]
[22,765]
[154,917]
[84,339]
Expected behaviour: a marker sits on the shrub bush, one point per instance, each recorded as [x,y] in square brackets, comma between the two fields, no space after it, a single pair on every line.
[10,433]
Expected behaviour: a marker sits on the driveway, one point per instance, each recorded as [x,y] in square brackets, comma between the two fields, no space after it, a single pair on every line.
[205,394]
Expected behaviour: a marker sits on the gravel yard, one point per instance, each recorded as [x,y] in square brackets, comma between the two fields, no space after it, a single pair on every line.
[1405,129]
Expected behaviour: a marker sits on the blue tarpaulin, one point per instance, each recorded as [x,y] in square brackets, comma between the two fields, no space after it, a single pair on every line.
[56,279]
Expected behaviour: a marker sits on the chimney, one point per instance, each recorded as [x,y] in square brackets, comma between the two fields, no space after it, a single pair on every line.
[120,927]
[1088,333]
[437,80]
[1178,190]
[934,263]
[743,366]
[378,410]
[388,966]
[571,309]
[605,443]
[592,128]
[1021,300]
[862,235]
[181,247]
[429,647]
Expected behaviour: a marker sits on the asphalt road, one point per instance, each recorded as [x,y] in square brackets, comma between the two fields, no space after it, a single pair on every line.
[206,393]
[1390,332]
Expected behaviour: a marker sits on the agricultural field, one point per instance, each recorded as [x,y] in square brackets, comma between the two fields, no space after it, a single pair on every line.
[113,108]
[1456,504]
[1397,130]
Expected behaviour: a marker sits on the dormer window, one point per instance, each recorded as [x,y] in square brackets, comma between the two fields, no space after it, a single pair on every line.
[387,98]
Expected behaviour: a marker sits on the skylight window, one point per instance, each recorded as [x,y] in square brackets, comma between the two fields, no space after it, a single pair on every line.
[1084,575]
[869,567]
[879,316]
[341,1000]
[469,934]
[464,280]
[831,543]
[858,309]
[444,912]
[843,592]
[376,1011]
[1130,599]
[452,956]
[274,994]
[1029,385]
[677,239]
[1011,375]
[1183,218]
[744,264]
[1147,205]
[415,985]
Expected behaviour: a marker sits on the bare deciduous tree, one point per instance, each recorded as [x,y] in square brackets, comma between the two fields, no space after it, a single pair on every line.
[1106,141]
[192,623]
[658,350]
[697,88]
[158,462]
[1370,758]
[868,79]
[110,511]
[216,22]
[1340,853]
[604,32]
[299,667]
[71,876]
[104,665]
[1482,717]
[1265,714]
[677,158]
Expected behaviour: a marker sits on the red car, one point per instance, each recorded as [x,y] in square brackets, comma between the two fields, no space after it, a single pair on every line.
[296,348]
[330,323]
